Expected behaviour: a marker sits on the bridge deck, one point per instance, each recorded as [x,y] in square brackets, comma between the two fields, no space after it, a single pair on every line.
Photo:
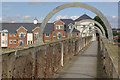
[83,65]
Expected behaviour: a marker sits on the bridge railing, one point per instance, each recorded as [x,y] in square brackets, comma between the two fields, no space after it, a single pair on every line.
[110,59]
[41,61]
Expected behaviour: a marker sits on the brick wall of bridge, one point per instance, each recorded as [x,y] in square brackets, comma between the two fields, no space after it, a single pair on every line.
[41,61]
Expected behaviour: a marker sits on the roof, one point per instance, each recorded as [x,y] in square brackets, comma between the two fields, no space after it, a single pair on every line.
[12,27]
[84,16]
[67,22]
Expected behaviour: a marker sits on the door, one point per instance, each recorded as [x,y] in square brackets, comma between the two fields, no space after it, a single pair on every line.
[59,35]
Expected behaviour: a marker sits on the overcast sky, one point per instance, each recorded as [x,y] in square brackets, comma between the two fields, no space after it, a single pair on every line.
[27,11]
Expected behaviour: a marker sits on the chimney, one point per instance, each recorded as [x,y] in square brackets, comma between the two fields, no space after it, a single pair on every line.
[35,20]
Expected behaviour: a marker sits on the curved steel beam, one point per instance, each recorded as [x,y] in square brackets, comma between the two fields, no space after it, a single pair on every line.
[88,20]
[75,4]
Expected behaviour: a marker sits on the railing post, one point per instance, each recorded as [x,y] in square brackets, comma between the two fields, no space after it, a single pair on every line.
[62,54]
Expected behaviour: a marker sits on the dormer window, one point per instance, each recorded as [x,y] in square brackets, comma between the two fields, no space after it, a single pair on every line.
[36,35]
[70,25]
[59,27]
[83,26]
[47,34]
[21,35]
[77,34]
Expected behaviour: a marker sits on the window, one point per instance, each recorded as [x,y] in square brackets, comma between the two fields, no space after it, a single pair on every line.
[83,26]
[10,41]
[3,34]
[47,35]
[28,42]
[31,42]
[36,35]
[63,34]
[89,28]
[21,35]
[70,27]
[14,41]
[77,34]
[14,34]
[54,34]
[57,27]
[10,34]
[61,27]
[20,42]
[58,35]
[3,42]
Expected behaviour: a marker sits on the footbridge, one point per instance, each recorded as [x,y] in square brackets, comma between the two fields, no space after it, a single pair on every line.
[84,57]
[68,58]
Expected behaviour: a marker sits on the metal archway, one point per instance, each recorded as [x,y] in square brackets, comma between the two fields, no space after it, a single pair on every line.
[102,34]
[75,4]
[96,28]
[88,20]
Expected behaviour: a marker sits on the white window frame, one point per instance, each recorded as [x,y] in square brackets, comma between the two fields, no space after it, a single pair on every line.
[47,35]
[36,35]
[54,35]
[58,27]
[63,35]
[13,41]
[10,41]
[3,34]
[14,35]
[3,42]
[21,41]
[10,34]
[21,34]
[77,34]
[28,42]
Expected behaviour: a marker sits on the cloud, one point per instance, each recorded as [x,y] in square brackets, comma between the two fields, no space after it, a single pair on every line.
[62,17]
[114,17]
[17,18]
[27,17]
[74,17]
[113,21]
[66,17]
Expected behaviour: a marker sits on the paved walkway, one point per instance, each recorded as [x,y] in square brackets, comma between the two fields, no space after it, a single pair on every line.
[83,65]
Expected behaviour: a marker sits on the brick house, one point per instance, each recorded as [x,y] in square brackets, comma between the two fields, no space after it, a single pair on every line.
[18,34]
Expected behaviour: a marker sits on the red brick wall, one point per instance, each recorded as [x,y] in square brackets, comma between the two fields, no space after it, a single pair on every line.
[24,39]
[73,35]
[57,30]
[45,39]
[58,23]
[12,38]
[35,31]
